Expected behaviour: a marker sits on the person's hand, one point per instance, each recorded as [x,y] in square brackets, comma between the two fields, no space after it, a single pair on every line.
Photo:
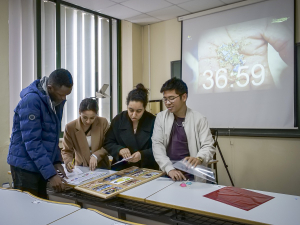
[60,168]
[56,182]
[176,175]
[69,166]
[93,163]
[192,161]
[125,153]
[135,157]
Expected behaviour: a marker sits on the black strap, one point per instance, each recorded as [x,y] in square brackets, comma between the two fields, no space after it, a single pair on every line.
[88,130]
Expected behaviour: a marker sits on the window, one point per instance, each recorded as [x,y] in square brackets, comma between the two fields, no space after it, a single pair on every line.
[45,35]
[87,48]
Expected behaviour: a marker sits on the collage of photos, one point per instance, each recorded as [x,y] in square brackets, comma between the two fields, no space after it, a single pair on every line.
[123,180]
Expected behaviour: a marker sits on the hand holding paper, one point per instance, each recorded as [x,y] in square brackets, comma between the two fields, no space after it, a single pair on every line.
[191,161]
[125,153]
[198,171]
[124,159]
[70,166]
[135,157]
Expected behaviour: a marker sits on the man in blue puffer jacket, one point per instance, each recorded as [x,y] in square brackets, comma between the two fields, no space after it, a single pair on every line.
[33,154]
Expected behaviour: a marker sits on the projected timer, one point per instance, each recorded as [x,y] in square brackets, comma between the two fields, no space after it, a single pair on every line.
[242,79]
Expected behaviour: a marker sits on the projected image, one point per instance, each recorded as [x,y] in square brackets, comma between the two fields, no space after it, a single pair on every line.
[239,65]
[252,55]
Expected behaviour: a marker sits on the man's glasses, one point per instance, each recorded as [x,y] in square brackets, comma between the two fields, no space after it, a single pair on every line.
[171,99]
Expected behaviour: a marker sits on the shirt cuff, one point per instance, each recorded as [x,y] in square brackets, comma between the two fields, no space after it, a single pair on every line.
[168,168]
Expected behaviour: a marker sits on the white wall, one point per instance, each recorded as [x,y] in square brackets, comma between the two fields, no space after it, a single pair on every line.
[137,59]
[4,96]
[131,58]
[127,66]
[268,164]
[165,46]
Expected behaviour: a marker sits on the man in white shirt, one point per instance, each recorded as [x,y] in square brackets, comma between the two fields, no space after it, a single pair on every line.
[179,132]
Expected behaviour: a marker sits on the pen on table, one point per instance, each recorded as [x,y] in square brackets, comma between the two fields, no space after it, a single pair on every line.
[73,162]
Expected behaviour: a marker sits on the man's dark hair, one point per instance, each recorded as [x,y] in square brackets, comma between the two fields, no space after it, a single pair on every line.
[60,77]
[88,104]
[140,94]
[175,84]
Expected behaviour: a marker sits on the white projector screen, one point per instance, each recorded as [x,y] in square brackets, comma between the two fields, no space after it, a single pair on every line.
[239,65]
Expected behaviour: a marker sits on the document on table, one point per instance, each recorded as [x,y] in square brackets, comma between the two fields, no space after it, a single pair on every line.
[78,177]
[76,171]
[122,160]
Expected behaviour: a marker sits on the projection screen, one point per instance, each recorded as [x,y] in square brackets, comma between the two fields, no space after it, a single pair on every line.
[239,65]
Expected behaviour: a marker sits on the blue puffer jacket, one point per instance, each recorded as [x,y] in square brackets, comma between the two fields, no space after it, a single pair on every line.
[35,133]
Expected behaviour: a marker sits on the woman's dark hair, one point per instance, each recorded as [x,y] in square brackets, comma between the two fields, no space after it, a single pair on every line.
[139,94]
[88,104]
[175,84]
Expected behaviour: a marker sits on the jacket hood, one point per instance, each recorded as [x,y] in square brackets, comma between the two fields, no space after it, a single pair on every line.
[32,88]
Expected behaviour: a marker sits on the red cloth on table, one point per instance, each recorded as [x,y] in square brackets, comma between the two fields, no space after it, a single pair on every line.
[238,197]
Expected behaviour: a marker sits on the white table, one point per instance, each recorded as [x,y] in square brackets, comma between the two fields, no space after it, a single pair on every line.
[90,216]
[141,192]
[22,208]
[283,209]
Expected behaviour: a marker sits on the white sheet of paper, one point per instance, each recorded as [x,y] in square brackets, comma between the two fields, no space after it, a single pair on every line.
[78,177]
[87,176]
[76,171]
[122,160]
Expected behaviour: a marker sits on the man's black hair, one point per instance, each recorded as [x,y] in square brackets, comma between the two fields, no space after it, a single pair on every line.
[60,77]
[175,84]
[139,94]
[88,104]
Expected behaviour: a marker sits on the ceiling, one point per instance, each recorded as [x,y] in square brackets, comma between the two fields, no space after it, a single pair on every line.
[145,12]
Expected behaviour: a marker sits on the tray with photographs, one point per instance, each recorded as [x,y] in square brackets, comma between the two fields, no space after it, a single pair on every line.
[111,185]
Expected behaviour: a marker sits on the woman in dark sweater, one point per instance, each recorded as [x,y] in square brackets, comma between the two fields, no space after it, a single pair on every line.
[130,133]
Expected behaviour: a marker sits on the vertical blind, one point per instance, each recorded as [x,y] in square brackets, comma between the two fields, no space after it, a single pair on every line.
[85,52]
[21,49]
[114,68]
[48,40]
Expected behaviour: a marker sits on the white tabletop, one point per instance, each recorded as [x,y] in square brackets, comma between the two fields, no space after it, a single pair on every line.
[141,192]
[22,208]
[283,209]
[87,216]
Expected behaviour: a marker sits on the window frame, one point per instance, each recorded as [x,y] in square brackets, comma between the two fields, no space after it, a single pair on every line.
[58,3]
